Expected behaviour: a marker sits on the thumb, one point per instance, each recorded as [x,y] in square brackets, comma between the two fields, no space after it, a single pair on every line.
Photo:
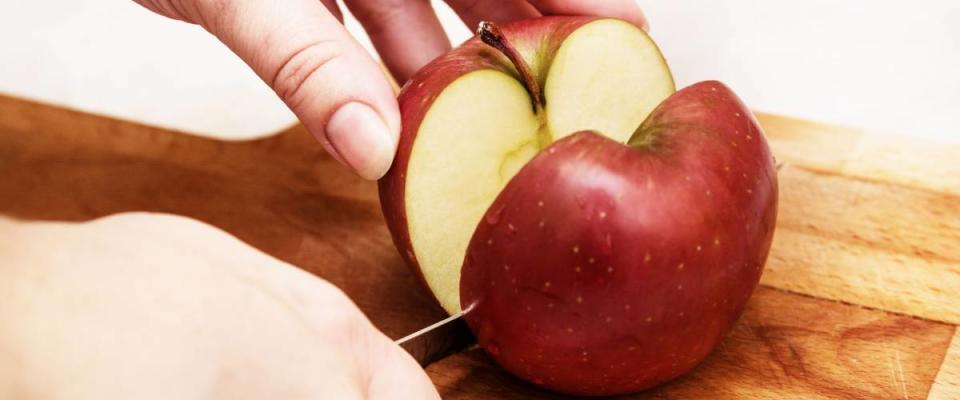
[393,374]
[303,52]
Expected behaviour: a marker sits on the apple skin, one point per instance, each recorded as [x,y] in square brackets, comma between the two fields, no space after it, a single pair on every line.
[417,95]
[605,269]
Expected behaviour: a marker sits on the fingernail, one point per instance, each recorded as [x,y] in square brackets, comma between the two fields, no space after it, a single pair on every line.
[362,139]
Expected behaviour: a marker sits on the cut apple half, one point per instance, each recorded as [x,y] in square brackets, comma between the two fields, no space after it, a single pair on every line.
[604,75]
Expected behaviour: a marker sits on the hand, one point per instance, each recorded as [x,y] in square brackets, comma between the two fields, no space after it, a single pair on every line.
[145,306]
[300,49]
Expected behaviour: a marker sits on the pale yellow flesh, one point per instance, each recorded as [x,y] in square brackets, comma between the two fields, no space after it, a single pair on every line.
[455,170]
[607,76]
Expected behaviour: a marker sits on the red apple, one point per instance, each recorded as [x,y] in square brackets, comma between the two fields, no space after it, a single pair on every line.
[592,266]
[604,268]
[473,117]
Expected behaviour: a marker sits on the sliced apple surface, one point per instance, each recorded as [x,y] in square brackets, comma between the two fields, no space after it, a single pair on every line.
[470,123]
[477,134]
[606,77]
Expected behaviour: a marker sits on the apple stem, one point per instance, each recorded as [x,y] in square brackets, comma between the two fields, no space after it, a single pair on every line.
[491,34]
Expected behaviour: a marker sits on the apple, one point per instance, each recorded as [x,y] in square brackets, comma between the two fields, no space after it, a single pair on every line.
[470,122]
[602,233]
[604,268]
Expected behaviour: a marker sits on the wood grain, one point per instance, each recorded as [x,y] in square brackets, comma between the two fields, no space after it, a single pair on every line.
[866,220]
[785,346]
[946,386]
[866,242]
[857,153]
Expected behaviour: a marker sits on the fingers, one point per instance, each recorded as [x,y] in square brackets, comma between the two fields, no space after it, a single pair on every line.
[624,9]
[384,370]
[333,9]
[406,33]
[395,375]
[499,11]
[329,81]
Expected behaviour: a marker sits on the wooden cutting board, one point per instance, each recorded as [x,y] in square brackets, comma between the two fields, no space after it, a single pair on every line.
[860,298]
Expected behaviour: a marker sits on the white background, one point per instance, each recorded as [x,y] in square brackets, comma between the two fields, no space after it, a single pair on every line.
[891,66]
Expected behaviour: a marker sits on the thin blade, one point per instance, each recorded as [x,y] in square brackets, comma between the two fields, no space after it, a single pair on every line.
[434,326]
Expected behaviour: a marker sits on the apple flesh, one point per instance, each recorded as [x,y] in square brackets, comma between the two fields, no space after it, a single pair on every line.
[470,122]
[603,268]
